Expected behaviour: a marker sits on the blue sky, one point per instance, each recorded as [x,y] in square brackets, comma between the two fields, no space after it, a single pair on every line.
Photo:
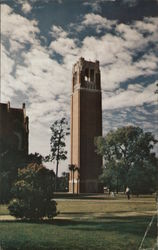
[42,39]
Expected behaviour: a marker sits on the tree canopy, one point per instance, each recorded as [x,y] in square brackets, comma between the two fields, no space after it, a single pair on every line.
[10,161]
[129,159]
[33,193]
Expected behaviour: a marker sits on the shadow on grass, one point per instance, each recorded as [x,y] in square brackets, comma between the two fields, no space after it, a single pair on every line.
[96,196]
[88,213]
[67,196]
[132,225]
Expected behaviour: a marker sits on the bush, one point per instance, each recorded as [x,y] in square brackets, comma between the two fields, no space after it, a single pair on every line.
[33,193]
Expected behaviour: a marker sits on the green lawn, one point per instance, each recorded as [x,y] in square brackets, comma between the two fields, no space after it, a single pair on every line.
[85,224]
[3,210]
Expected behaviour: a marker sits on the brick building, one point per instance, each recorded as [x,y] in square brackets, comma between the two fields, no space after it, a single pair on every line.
[86,124]
[14,128]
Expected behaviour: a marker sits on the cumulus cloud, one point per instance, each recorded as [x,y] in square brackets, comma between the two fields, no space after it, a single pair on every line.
[6,77]
[134,96]
[14,38]
[116,52]
[26,7]
[98,21]
[17,28]
[35,74]
[96,5]
[31,69]
[57,31]
[63,46]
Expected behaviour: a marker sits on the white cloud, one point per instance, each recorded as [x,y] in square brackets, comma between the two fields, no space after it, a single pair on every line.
[17,28]
[46,83]
[98,21]
[26,7]
[149,24]
[16,32]
[63,46]
[148,63]
[7,86]
[115,52]
[134,96]
[57,31]
[130,35]
[40,78]
[96,5]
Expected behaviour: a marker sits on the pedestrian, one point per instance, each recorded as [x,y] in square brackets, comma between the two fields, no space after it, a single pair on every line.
[128,192]
[112,194]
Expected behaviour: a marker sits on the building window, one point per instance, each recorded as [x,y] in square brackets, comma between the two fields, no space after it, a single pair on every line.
[75,78]
[86,74]
[92,75]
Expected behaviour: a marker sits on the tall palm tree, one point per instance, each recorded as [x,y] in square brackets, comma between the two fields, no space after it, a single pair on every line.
[73,168]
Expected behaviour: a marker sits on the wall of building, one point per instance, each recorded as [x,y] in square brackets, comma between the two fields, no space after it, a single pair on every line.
[90,127]
[14,128]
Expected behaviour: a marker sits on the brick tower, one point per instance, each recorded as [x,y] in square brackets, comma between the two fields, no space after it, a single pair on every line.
[86,124]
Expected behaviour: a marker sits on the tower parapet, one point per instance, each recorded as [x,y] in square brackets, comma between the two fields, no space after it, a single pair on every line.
[86,75]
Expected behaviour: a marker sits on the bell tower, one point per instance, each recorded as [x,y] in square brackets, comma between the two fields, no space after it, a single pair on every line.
[86,124]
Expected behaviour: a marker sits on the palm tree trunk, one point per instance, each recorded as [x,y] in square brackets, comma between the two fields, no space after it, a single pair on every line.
[73,180]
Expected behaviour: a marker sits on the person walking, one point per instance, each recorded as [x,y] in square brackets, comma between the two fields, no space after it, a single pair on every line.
[128,192]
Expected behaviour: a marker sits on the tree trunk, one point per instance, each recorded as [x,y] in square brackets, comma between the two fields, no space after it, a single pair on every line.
[73,181]
[56,176]
[117,185]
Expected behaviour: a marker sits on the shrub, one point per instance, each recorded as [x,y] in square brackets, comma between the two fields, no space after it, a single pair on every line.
[33,193]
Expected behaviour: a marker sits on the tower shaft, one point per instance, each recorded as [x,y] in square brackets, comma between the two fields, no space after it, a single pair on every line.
[86,124]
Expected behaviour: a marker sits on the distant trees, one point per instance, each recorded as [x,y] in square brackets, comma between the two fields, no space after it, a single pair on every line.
[63,182]
[33,193]
[128,159]
[58,153]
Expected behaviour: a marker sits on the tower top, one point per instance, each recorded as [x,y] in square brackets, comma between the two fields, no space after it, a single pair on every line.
[86,75]
[82,63]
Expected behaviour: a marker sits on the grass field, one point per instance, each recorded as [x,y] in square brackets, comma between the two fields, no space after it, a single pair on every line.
[109,224]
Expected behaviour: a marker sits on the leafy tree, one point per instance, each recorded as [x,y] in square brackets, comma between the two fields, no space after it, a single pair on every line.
[112,176]
[10,160]
[34,158]
[129,159]
[59,130]
[156,92]
[33,193]
[5,186]
[142,177]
